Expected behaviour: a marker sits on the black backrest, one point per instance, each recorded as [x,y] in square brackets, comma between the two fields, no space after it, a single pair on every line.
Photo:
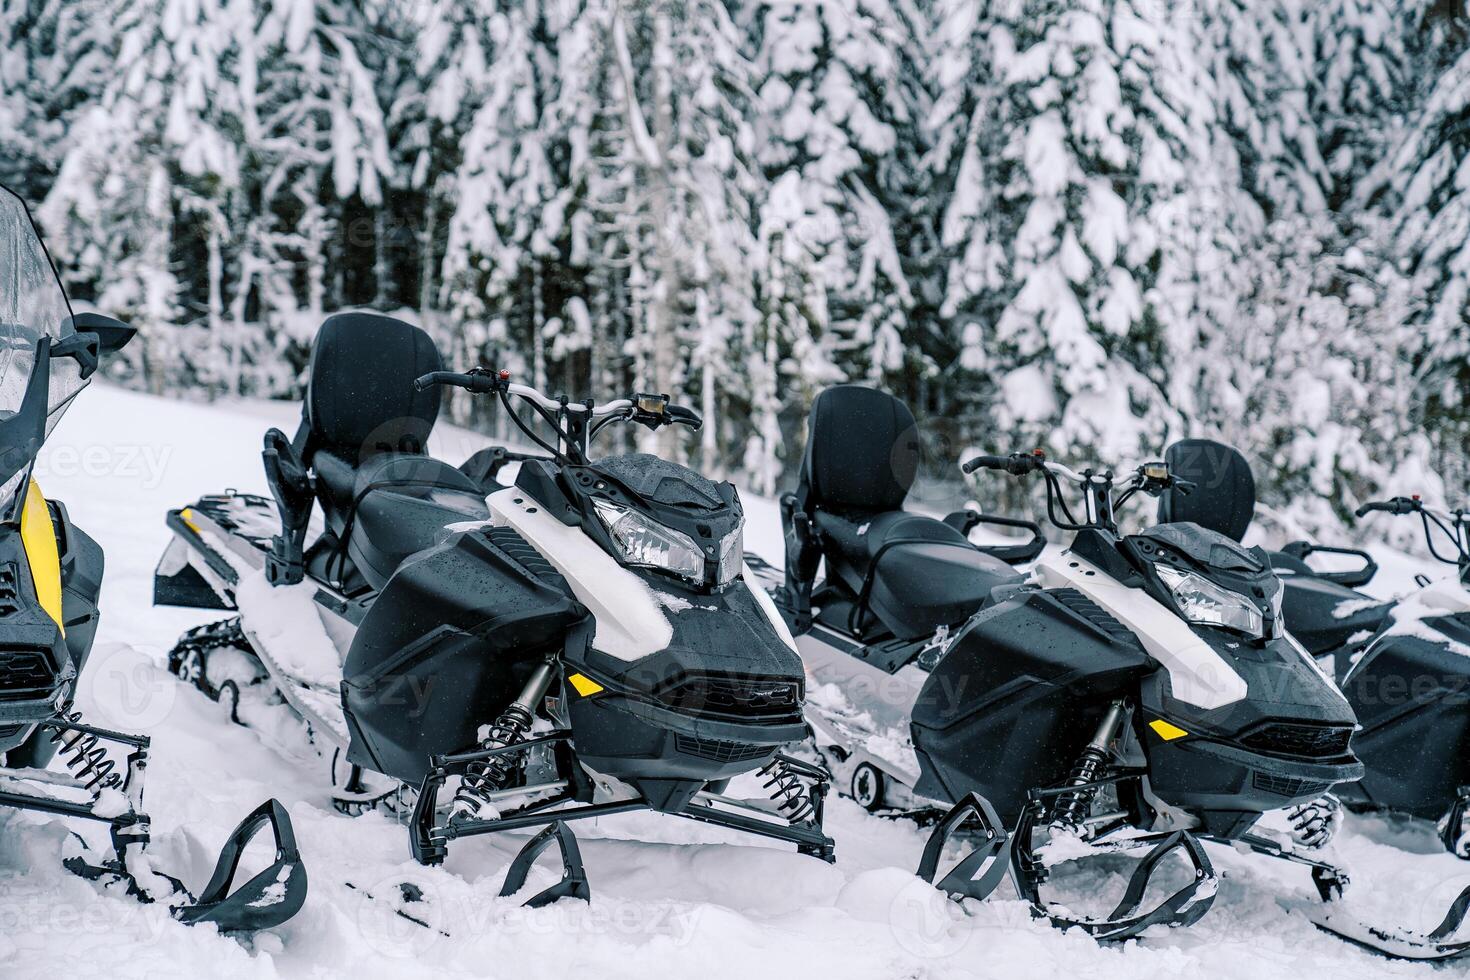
[862,450]
[1224,496]
[360,397]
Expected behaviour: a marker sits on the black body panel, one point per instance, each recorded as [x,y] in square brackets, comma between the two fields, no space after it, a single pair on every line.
[1328,618]
[1411,694]
[447,645]
[1018,695]
[724,695]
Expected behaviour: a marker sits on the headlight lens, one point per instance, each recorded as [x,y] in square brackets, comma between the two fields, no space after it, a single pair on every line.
[1202,601]
[647,543]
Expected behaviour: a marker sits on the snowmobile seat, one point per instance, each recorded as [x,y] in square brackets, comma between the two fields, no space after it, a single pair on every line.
[366,429]
[1223,498]
[915,573]
[400,504]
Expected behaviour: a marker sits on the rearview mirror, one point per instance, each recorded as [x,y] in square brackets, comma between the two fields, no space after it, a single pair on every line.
[112,335]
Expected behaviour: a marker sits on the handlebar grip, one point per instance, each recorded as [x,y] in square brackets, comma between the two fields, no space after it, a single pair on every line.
[477,383]
[1016,464]
[1398,505]
[985,462]
[679,415]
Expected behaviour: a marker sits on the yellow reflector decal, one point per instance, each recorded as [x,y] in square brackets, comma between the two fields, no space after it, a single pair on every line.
[1166,731]
[187,516]
[38,537]
[585,686]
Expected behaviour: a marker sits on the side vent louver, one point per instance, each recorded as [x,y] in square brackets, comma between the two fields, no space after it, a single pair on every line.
[9,594]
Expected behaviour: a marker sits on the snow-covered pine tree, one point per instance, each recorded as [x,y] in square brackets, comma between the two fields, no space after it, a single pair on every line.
[1422,192]
[505,259]
[1365,84]
[1058,219]
[239,146]
[54,57]
[663,154]
[840,126]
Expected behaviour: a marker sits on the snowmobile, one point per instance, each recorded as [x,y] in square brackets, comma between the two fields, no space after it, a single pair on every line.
[1400,663]
[1324,610]
[50,581]
[1130,693]
[485,657]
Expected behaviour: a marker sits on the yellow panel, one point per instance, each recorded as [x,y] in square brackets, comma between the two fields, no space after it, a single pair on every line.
[38,536]
[1166,731]
[187,516]
[585,686]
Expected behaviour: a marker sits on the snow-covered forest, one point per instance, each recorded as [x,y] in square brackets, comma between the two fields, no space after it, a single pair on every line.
[1092,225]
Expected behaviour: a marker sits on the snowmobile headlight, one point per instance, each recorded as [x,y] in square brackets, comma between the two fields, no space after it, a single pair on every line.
[649,544]
[1202,601]
[732,556]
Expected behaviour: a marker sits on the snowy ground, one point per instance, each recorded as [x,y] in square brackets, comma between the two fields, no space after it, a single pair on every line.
[669,896]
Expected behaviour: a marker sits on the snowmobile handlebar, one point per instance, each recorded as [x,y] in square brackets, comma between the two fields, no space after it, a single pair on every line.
[1100,506]
[575,422]
[1452,525]
[640,408]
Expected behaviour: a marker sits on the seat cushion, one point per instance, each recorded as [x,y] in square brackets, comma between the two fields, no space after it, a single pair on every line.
[924,573]
[401,504]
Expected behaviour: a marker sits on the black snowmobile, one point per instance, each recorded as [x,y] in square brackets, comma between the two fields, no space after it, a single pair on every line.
[1324,610]
[50,581]
[1401,663]
[1131,692]
[1409,688]
[586,641]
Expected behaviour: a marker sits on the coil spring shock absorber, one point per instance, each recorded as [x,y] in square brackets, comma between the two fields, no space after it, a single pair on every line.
[482,778]
[787,791]
[1072,808]
[84,756]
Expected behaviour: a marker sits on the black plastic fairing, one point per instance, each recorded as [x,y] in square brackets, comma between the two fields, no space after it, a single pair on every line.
[1411,692]
[447,645]
[1288,740]
[724,660]
[720,698]
[1018,694]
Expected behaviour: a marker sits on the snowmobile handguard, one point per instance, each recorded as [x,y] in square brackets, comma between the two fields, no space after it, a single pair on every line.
[1351,578]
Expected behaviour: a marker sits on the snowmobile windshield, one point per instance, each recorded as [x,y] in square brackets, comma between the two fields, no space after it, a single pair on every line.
[656,479]
[33,307]
[1209,548]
